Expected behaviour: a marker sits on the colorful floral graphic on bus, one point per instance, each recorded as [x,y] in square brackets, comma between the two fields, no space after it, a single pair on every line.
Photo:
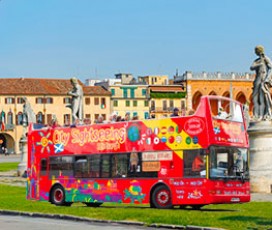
[134,192]
[89,190]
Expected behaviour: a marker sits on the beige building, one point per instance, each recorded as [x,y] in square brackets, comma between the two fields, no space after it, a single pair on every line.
[130,98]
[48,98]
[154,79]
[163,99]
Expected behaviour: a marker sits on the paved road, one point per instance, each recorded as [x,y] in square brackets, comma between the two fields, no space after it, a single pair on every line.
[34,223]
[10,158]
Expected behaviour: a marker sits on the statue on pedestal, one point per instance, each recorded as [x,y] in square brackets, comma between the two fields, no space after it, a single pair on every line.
[28,117]
[77,101]
[261,86]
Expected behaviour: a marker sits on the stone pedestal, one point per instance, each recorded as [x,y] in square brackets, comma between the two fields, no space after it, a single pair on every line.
[260,139]
[23,164]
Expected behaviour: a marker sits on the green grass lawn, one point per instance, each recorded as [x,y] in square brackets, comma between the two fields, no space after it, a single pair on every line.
[8,166]
[254,215]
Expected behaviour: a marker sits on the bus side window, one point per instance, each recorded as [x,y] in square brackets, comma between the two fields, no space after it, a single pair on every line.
[119,165]
[105,166]
[43,166]
[134,162]
[94,165]
[194,163]
[81,167]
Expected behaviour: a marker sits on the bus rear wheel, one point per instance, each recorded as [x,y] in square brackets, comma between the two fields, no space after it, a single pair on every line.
[58,196]
[161,198]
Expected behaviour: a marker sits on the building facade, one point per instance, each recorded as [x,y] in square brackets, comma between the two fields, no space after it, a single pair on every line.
[131,99]
[48,99]
[164,98]
[234,85]
[154,80]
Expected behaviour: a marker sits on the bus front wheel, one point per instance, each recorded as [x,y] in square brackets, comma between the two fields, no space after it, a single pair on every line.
[161,198]
[58,196]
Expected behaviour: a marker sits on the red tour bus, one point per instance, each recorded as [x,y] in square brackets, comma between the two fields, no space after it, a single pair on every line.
[192,161]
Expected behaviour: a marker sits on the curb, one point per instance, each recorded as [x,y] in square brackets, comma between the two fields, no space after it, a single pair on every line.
[90,220]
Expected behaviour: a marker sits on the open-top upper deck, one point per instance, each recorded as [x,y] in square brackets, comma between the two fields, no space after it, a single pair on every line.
[217,121]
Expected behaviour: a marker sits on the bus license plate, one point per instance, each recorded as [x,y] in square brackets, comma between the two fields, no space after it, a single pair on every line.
[234,199]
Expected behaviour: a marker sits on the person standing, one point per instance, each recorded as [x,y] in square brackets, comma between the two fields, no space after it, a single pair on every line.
[175,112]
[261,66]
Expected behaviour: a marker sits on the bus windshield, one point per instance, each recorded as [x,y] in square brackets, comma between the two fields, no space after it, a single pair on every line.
[228,162]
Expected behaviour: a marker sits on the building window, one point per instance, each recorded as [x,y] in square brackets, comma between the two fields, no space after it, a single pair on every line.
[49,118]
[135,103]
[66,119]
[115,103]
[67,100]
[171,104]
[146,103]
[127,103]
[125,94]
[103,103]
[87,101]
[112,92]
[143,92]
[49,100]
[96,116]
[135,114]
[9,100]
[20,100]
[182,104]
[164,105]
[19,118]
[96,101]
[132,93]
[39,100]
[40,118]
[10,118]
[146,115]
[153,107]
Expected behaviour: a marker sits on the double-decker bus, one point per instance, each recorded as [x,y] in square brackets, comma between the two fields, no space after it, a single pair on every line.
[181,161]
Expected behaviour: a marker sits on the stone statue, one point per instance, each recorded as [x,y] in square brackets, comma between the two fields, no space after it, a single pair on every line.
[28,113]
[261,86]
[77,100]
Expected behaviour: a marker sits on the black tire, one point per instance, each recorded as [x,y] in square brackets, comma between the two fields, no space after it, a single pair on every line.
[93,204]
[161,198]
[197,207]
[58,196]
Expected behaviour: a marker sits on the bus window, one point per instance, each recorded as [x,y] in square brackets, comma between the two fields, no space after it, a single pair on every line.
[119,165]
[194,163]
[94,161]
[134,162]
[105,166]
[228,162]
[43,166]
[61,166]
[81,167]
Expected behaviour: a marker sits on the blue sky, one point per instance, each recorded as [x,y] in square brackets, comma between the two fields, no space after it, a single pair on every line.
[99,38]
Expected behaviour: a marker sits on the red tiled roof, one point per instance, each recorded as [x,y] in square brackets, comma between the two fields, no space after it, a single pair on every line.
[42,86]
